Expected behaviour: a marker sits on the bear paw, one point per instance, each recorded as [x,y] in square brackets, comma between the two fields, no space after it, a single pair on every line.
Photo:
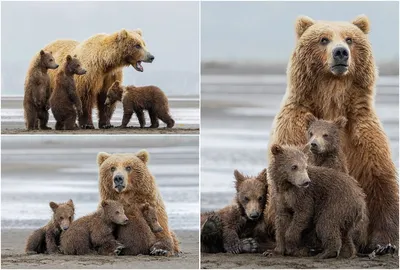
[106,126]
[233,247]
[87,126]
[382,250]
[249,245]
[45,128]
[118,250]
[158,252]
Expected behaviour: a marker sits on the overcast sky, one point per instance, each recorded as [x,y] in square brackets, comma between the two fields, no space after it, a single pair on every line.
[264,31]
[170,29]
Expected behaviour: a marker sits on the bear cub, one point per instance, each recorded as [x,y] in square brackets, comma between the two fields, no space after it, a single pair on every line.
[330,202]
[64,97]
[324,140]
[136,99]
[47,238]
[37,91]
[94,233]
[138,236]
[234,228]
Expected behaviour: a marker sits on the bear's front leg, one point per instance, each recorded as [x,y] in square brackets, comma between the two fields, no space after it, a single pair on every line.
[105,112]
[370,162]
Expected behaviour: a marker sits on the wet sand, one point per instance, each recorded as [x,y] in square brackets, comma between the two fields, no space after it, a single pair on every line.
[184,110]
[12,255]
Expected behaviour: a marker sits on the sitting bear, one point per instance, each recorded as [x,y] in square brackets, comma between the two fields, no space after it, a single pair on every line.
[64,97]
[47,238]
[137,99]
[94,233]
[307,196]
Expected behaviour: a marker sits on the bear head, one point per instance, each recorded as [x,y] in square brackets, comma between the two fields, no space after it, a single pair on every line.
[114,93]
[251,194]
[63,214]
[150,215]
[47,60]
[73,66]
[114,211]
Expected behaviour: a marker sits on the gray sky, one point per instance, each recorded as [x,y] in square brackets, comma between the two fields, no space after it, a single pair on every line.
[170,29]
[264,31]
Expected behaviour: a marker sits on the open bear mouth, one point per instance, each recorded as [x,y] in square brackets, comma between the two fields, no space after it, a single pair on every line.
[138,66]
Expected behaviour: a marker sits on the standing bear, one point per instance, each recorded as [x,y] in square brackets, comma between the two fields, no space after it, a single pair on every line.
[126,178]
[64,101]
[136,99]
[103,56]
[37,91]
[332,73]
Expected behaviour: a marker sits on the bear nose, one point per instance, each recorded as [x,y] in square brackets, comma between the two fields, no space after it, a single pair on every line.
[57,66]
[340,54]
[314,145]
[151,58]
[119,180]
[306,183]
[254,215]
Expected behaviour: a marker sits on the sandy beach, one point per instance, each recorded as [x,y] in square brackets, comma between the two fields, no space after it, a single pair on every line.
[12,255]
[184,110]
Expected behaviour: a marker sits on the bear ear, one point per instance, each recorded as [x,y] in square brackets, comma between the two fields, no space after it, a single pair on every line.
[306,148]
[123,34]
[302,24]
[340,122]
[75,56]
[144,206]
[116,83]
[143,155]
[276,149]
[69,58]
[104,203]
[41,52]
[310,118]
[239,178]
[362,22]
[53,206]
[70,203]
[262,176]
[101,157]
[139,31]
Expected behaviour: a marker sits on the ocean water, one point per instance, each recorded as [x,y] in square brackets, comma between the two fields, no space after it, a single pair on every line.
[236,118]
[40,169]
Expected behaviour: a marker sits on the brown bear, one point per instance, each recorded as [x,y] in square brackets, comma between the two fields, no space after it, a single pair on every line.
[37,90]
[324,141]
[136,99]
[103,56]
[125,177]
[94,233]
[64,102]
[306,195]
[236,228]
[332,73]
[47,238]
[138,236]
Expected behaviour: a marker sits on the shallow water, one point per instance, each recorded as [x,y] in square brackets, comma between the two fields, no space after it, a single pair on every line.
[40,169]
[237,114]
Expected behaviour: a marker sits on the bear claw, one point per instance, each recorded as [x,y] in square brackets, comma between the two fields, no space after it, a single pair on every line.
[87,127]
[249,245]
[158,252]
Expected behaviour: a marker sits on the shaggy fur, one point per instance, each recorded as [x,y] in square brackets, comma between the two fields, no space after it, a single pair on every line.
[103,56]
[230,228]
[307,196]
[126,178]
[137,99]
[316,86]
[47,238]
[37,91]
[94,233]
[64,101]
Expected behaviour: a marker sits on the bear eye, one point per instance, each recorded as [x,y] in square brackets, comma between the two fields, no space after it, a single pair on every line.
[117,212]
[138,46]
[51,60]
[325,135]
[112,169]
[294,167]
[129,168]
[246,199]
[260,198]
[324,41]
[349,41]
[311,134]
[61,218]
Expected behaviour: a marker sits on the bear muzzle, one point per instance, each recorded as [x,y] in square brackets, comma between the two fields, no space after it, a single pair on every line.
[340,56]
[119,183]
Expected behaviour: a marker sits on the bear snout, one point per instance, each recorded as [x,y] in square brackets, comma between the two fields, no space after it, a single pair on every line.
[254,215]
[158,229]
[119,182]
[340,55]
[305,183]
[150,58]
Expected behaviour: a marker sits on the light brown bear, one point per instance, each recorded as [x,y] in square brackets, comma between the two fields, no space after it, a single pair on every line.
[37,90]
[47,238]
[136,99]
[103,56]
[309,196]
[332,73]
[126,178]
[138,235]
[94,233]
[236,228]
[64,102]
